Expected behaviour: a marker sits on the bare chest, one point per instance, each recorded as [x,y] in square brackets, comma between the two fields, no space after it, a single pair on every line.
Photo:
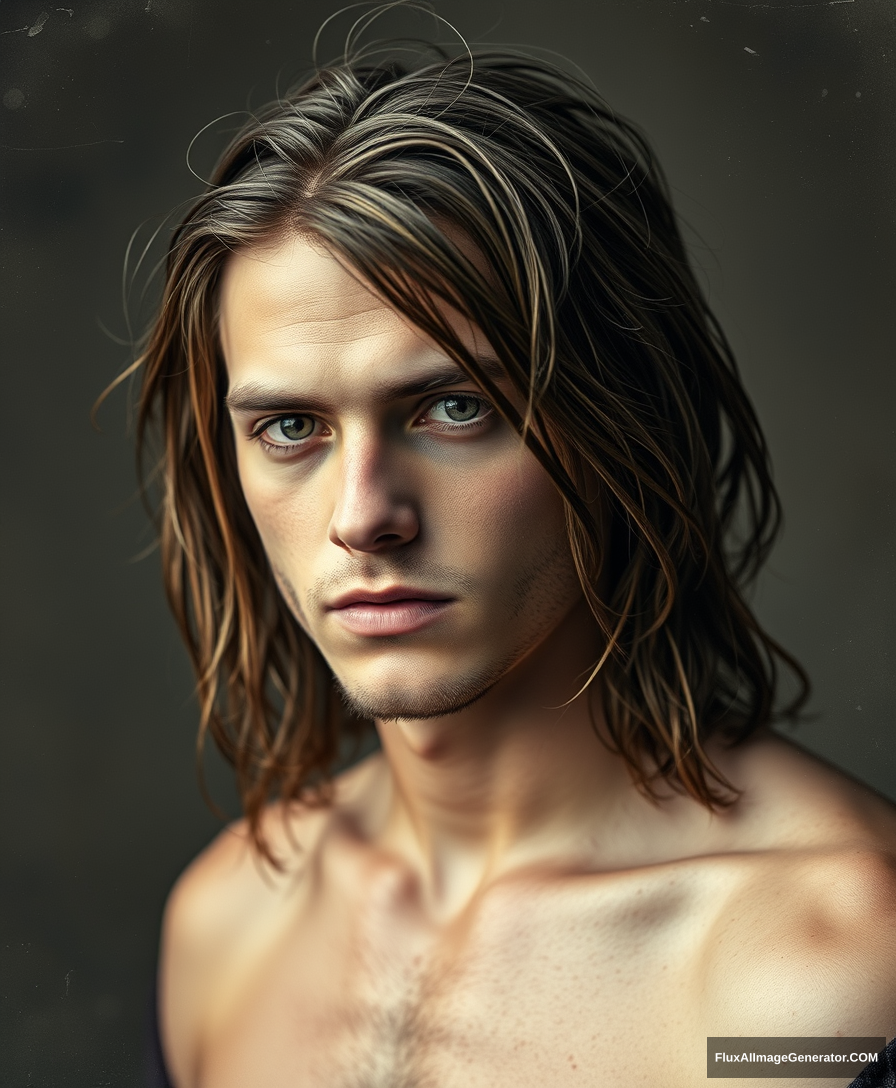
[542,988]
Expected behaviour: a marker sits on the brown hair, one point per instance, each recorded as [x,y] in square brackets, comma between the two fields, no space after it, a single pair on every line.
[592,308]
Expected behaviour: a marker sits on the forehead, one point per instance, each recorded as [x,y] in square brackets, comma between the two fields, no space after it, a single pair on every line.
[297,291]
[293,309]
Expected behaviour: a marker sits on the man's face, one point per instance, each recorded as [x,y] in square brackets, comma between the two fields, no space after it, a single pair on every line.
[419,543]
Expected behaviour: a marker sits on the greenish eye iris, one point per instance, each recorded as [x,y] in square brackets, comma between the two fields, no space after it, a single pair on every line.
[294,428]
[461,409]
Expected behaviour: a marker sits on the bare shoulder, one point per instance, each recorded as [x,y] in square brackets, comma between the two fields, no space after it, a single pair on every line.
[228,883]
[210,916]
[808,927]
[226,906]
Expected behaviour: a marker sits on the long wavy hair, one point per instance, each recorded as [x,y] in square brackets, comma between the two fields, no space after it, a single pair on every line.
[630,391]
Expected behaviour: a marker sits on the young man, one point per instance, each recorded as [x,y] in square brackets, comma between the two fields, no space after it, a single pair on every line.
[452,446]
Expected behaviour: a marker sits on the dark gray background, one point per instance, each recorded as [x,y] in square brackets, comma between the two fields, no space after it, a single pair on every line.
[775,122]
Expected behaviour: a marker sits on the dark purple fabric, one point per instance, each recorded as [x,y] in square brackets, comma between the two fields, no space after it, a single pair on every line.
[879,1074]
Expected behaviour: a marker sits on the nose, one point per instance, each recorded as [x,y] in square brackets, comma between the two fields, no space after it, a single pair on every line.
[374,509]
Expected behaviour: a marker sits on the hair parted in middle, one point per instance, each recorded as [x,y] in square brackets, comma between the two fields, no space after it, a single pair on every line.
[585,293]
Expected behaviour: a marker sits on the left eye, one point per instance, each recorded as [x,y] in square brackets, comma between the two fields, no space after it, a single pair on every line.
[459,408]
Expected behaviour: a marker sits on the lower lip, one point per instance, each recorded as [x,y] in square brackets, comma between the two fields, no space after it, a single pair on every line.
[390,618]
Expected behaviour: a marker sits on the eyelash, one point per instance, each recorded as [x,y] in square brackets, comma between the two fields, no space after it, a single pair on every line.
[284,450]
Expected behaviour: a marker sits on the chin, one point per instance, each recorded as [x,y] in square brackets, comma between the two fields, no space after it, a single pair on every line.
[435,700]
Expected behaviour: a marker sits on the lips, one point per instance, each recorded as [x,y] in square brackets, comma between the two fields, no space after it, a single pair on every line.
[385,596]
[399,610]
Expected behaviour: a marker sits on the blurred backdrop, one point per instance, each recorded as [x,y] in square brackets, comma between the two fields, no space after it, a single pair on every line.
[775,122]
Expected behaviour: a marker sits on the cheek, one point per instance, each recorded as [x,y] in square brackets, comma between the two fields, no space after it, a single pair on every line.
[511,511]
[285,514]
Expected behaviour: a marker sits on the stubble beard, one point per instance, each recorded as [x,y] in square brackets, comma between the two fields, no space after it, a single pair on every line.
[436,700]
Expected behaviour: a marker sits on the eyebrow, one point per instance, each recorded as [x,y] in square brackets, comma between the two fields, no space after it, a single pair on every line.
[257,397]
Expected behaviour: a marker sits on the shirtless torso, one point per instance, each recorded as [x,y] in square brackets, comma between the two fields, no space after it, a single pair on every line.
[777,918]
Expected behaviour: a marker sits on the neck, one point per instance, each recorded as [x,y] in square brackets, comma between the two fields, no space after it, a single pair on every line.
[517,779]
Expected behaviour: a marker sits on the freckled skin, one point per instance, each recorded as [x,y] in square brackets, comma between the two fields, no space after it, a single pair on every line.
[488,901]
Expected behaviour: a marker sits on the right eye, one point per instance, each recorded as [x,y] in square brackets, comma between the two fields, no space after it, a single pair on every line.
[286,431]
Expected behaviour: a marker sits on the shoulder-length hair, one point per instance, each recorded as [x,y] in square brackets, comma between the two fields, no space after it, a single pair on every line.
[630,388]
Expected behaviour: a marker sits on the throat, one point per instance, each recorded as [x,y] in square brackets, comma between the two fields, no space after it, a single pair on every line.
[462,813]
